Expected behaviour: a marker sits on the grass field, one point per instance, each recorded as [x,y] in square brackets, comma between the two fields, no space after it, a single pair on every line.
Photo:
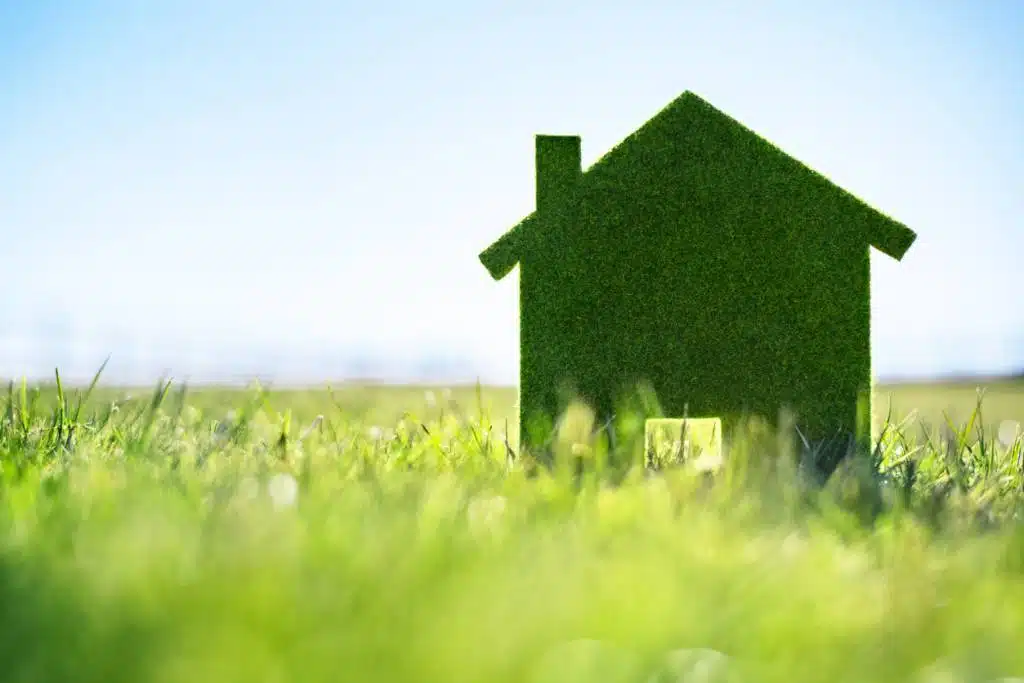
[924,404]
[386,534]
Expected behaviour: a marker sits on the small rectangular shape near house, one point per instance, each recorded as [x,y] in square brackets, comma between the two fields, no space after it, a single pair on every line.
[696,442]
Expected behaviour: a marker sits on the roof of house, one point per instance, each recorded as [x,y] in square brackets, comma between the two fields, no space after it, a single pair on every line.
[882,232]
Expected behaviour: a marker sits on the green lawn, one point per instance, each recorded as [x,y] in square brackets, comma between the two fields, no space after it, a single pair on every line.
[1001,400]
[922,403]
[394,539]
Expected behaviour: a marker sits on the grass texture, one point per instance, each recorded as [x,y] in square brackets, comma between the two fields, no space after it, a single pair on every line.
[697,258]
[253,536]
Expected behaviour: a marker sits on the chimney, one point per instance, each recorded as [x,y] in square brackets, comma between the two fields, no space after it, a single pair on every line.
[558,168]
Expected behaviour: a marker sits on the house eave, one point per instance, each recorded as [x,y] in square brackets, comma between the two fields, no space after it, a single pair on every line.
[893,239]
[898,242]
[502,256]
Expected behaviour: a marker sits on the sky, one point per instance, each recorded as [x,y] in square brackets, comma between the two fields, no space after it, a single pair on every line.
[323,175]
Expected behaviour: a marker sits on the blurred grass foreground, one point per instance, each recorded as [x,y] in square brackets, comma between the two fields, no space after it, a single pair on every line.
[295,536]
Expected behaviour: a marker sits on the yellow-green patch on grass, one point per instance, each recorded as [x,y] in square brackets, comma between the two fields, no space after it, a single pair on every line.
[696,441]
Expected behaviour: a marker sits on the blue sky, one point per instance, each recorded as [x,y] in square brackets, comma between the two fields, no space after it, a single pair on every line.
[324,174]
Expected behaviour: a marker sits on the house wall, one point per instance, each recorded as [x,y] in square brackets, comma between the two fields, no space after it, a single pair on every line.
[714,268]
[556,328]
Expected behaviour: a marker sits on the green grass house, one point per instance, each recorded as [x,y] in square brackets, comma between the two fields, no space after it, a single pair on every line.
[700,260]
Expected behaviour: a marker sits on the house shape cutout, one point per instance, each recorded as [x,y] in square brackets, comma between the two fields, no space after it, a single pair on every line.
[698,259]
